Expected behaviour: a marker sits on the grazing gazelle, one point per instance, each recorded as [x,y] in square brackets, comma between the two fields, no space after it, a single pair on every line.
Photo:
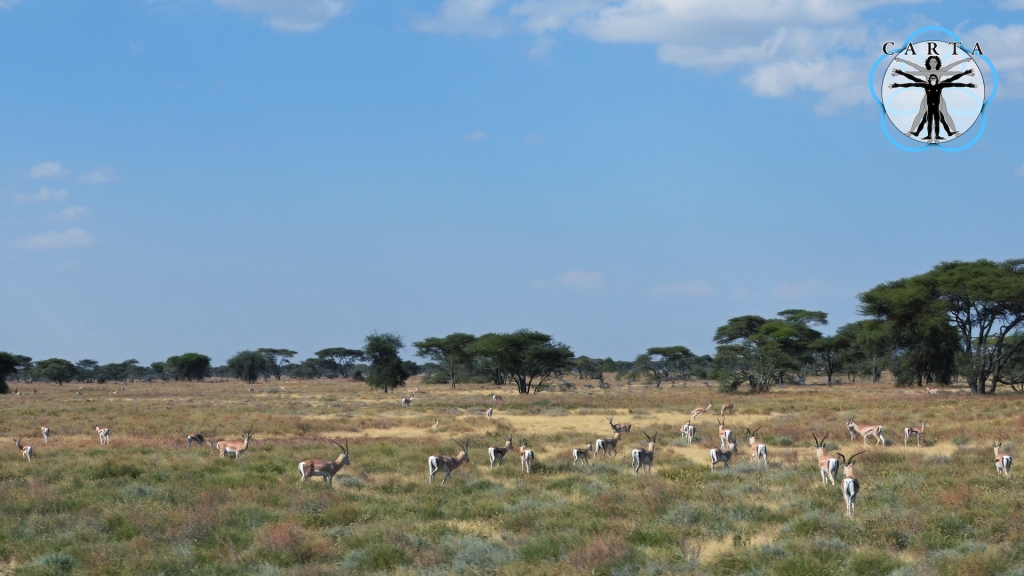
[104,435]
[607,444]
[758,451]
[827,465]
[235,447]
[699,410]
[644,457]
[624,427]
[851,486]
[497,453]
[436,463]
[913,431]
[496,398]
[865,431]
[196,437]
[325,468]
[722,456]
[526,457]
[724,435]
[726,408]
[406,402]
[26,451]
[581,454]
[489,413]
[688,431]
[46,433]
[1003,460]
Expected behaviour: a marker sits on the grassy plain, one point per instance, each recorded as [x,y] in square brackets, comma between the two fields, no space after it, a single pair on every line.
[148,505]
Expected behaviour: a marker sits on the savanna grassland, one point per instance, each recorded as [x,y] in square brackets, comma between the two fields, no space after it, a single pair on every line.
[146,504]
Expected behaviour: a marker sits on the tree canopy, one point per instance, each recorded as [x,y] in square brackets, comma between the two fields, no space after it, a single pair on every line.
[342,359]
[761,352]
[529,358]
[453,353]
[55,370]
[9,364]
[276,359]
[387,371]
[249,365]
[189,366]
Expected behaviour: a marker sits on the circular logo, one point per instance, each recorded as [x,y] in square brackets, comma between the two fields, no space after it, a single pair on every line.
[933,91]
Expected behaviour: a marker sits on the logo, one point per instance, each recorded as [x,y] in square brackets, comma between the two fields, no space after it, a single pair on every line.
[932,91]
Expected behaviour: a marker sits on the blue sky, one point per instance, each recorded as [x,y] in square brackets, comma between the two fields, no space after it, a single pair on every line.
[220,175]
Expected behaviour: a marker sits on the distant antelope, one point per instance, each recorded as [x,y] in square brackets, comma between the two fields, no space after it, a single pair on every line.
[406,402]
[1003,460]
[722,456]
[607,444]
[758,451]
[196,437]
[415,390]
[252,389]
[489,413]
[851,486]
[913,431]
[324,468]
[644,457]
[581,454]
[865,431]
[724,435]
[436,463]
[437,423]
[688,431]
[104,434]
[699,410]
[235,447]
[497,453]
[624,427]
[726,408]
[526,457]
[497,398]
[932,390]
[827,465]
[46,434]
[26,451]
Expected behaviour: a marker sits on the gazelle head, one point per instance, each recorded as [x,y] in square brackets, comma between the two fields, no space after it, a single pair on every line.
[344,458]
[819,445]
[752,436]
[721,424]
[463,450]
[996,445]
[18,444]
[651,441]
[848,462]
[247,435]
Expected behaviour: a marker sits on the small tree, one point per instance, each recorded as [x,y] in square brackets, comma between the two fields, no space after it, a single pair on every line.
[276,359]
[343,359]
[158,369]
[452,353]
[387,370]
[55,370]
[9,364]
[189,366]
[248,365]
[529,358]
[829,351]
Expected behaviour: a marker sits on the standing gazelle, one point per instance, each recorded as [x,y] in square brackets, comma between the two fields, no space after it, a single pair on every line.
[235,447]
[699,410]
[758,451]
[865,431]
[913,431]
[526,457]
[726,408]
[1003,460]
[722,456]
[197,438]
[325,468]
[497,453]
[644,457]
[724,435]
[436,463]
[827,465]
[581,454]
[104,435]
[624,427]
[688,431]
[607,444]
[26,451]
[851,486]
[46,433]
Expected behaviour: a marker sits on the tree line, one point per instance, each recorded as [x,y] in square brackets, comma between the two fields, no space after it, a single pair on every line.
[958,321]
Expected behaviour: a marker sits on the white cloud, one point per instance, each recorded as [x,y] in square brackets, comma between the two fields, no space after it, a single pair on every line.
[5,4]
[1010,4]
[797,290]
[44,195]
[45,170]
[463,17]
[541,46]
[1005,46]
[289,15]
[1020,171]
[73,238]
[99,176]
[474,137]
[71,213]
[580,280]
[685,289]
[533,139]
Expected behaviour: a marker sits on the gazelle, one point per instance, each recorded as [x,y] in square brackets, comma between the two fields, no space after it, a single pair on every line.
[437,424]
[851,486]
[235,447]
[722,456]
[497,453]
[489,413]
[324,468]
[758,451]
[406,402]
[698,411]
[607,444]
[913,431]
[26,451]
[865,431]
[196,437]
[688,431]
[726,408]
[581,454]
[46,433]
[525,457]
[1003,460]
[436,463]
[104,435]
[724,435]
[496,398]
[827,465]
[644,457]
[624,427]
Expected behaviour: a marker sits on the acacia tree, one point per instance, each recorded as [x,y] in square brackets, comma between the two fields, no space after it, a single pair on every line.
[189,366]
[387,371]
[9,364]
[343,359]
[248,365]
[665,363]
[55,370]
[869,350]
[452,353]
[529,358]
[763,351]
[276,359]
[829,353]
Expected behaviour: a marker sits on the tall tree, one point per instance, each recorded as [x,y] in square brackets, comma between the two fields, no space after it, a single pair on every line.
[248,365]
[55,370]
[451,352]
[343,358]
[666,363]
[869,351]
[762,351]
[387,370]
[87,369]
[829,351]
[189,366]
[529,358]
[276,359]
[159,369]
[9,364]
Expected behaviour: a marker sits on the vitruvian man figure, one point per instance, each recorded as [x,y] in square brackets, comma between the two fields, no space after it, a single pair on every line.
[933,65]
[933,116]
